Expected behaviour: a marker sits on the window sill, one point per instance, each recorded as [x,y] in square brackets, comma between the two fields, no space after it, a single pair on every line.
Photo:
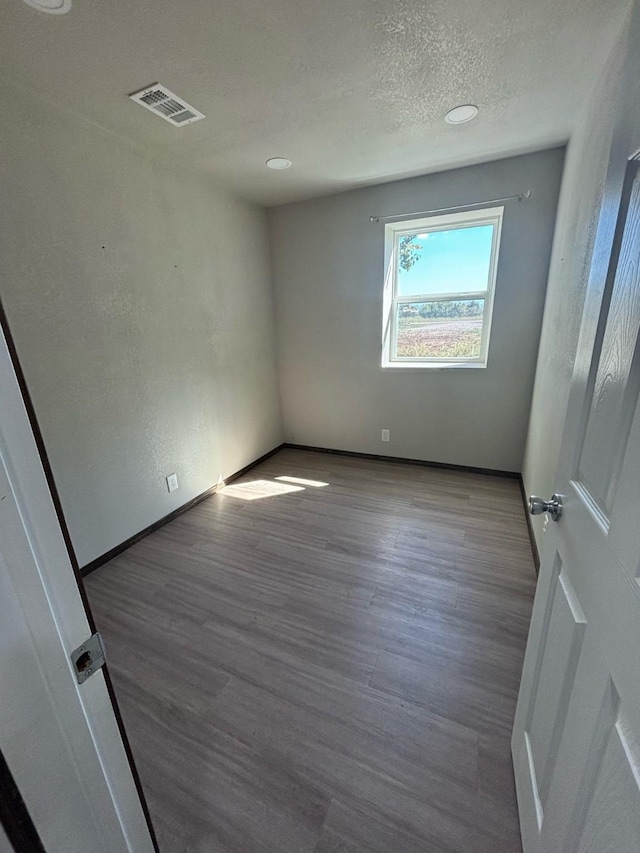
[394,366]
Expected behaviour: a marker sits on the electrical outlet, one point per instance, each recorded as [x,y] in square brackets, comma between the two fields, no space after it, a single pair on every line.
[386,435]
[172,482]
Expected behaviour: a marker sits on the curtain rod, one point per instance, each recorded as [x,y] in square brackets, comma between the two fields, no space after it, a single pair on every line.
[520,197]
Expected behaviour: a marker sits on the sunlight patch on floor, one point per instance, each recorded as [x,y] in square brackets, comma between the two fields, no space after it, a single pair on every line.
[256,489]
[316,484]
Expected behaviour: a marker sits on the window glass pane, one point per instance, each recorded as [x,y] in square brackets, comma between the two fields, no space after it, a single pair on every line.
[452,261]
[449,329]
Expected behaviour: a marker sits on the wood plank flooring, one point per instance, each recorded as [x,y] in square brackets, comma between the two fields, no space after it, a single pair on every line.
[307,668]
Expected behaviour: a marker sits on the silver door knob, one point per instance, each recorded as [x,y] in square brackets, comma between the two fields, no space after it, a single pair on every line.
[554,507]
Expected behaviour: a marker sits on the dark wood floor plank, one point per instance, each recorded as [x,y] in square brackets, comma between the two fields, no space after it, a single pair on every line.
[325,657]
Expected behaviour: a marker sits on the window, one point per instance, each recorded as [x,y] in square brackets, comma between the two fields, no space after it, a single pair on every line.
[438,294]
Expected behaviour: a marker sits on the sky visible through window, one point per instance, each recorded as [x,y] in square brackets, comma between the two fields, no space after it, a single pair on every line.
[452,261]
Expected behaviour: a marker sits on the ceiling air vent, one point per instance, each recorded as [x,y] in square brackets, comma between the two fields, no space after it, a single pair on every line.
[168,106]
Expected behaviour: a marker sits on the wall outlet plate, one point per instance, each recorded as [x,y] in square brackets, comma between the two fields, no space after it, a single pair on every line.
[172,482]
[386,435]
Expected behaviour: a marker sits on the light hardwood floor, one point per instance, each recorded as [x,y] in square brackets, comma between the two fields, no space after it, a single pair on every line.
[327,670]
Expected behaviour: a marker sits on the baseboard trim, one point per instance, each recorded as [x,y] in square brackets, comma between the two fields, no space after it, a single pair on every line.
[137,537]
[532,537]
[491,472]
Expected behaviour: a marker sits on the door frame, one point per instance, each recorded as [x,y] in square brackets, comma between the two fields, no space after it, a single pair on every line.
[13,822]
[14,815]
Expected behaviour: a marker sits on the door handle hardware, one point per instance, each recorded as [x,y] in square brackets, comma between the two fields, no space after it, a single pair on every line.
[538,506]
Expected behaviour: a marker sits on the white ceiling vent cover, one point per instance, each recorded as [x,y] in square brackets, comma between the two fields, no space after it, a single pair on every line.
[164,103]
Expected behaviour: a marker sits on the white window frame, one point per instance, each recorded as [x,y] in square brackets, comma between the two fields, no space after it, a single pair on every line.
[454,221]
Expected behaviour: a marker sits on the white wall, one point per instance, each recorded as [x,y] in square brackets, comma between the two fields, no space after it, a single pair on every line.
[140,300]
[328,275]
[580,199]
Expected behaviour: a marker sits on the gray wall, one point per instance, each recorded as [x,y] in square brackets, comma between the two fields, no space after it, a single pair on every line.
[328,272]
[579,207]
[140,301]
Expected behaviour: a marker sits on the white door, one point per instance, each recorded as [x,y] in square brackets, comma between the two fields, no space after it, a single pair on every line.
[576,740]
[60,740]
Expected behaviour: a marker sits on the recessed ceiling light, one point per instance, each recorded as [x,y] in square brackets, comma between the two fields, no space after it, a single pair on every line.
[53,7]
[278,163]
[461,114]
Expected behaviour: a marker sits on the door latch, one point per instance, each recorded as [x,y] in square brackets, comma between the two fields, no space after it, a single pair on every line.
[88,658]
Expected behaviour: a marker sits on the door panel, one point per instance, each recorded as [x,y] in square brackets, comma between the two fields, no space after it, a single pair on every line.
[624,531]
[615,369]
[613,809]
[60,739]
[576,740]
[558,665]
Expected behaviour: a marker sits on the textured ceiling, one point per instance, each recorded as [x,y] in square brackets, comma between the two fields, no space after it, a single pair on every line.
[353,91]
